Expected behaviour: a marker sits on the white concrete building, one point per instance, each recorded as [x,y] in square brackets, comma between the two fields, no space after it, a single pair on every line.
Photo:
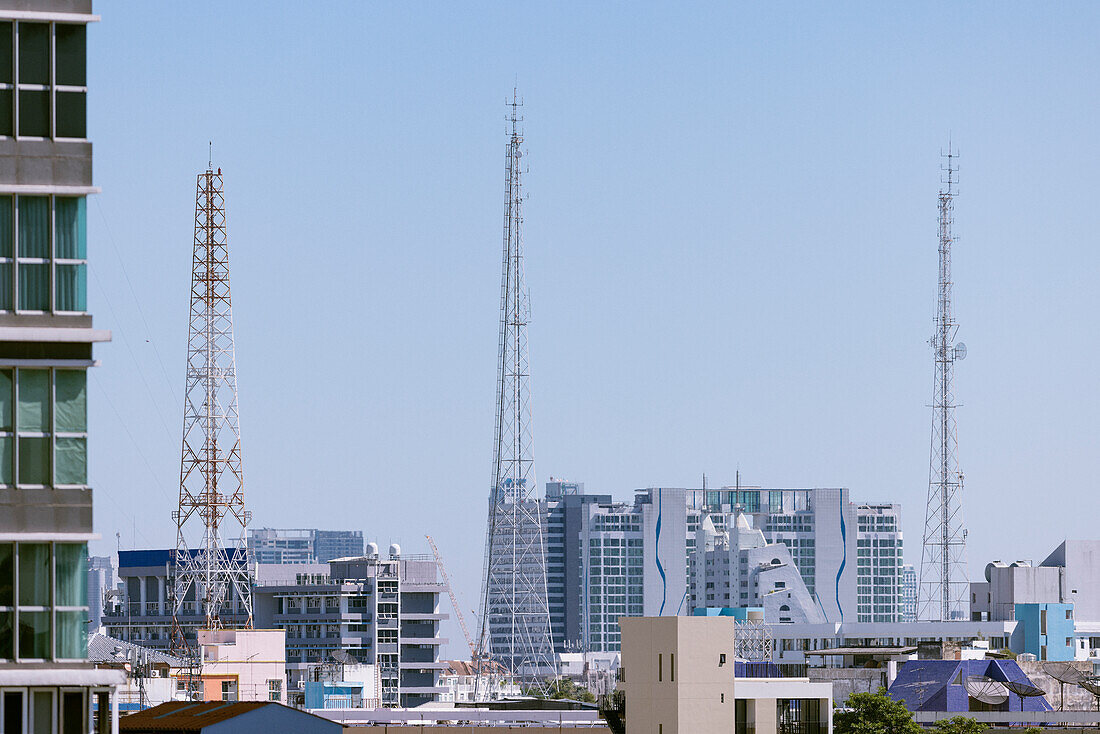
[737,567]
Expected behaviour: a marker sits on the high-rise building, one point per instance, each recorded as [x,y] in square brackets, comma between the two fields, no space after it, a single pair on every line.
[908,601]
[46,339]
[738,567]
[330,544]
[608,559]
[303,545]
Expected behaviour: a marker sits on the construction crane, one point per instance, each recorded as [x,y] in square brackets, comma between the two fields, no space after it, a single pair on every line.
[454,600]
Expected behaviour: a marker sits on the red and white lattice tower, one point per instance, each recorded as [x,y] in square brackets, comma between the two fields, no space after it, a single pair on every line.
[211,564]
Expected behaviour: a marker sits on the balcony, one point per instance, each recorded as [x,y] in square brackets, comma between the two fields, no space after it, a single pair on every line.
[423,665]
[424,640]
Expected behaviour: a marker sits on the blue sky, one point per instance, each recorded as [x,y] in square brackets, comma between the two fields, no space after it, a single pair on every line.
[731,240]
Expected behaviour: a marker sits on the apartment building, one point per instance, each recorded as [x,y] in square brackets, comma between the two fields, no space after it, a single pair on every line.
[46,342]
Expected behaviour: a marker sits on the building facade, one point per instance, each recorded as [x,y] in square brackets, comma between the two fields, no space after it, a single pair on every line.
[1056,603]
[301,545]
[607,558]
[101,580]
[908,593]
[381,612]
[679,674]
[738,568]
[46,340]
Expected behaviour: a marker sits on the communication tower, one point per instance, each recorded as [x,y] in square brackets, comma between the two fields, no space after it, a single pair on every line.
[515,614]
[942,593]
[209,574]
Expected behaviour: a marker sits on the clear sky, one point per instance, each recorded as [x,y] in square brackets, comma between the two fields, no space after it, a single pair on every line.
[731,240]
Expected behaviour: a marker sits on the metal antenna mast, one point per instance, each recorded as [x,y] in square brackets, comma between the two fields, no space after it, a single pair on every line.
[209,575]
[515,614]
[943,580]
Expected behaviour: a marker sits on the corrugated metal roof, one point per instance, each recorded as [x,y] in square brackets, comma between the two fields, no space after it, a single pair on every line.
[183,716]
[104,649]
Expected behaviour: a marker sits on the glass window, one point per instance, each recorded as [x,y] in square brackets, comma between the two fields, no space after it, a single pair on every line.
[6,300]
[72,287]
[7,575]
[71,222]
[70,55]
[34,460]
[42,708]
[13,711]
[72,460]
[71,120]
[7,70]
[7,112]
[34,634]
[34,113]
[34,53]
[72,642]
[5,400]
[34,400]
[71,574]
[6,443]
[7,226]
[72,401]
[34,574]
[7,637]
[73,712]
[34,226]
[34,287]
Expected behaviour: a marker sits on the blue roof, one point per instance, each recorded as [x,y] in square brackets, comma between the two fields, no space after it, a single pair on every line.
[154,557]
[936,685]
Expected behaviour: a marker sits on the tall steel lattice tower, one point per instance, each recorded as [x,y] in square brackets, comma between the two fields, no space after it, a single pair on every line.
[210,574]
[943,583]
[515,613]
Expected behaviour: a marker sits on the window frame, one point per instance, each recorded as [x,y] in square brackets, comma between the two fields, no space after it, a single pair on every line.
[51,87]
[51,608]
[52,261]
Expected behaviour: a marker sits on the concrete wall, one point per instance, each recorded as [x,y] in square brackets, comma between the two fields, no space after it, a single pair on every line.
[846,681]
[1076,698]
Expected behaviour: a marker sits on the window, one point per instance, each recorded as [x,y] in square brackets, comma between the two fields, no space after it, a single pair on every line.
[274,689]
[43,617]
[229,690]
[46,94]
[660,667]
[42,712]
[13,711]
[73,713]
[43,253]
[43,427]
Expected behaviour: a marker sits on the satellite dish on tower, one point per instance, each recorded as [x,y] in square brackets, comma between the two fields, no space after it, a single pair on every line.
[960,351]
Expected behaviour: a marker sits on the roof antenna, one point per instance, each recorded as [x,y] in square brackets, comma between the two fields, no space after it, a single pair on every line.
[210,158]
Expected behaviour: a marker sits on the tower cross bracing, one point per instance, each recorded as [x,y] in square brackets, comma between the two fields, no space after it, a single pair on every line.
[943,588]
[209,572]
[515,618]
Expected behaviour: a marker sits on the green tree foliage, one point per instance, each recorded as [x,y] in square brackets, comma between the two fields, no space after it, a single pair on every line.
[564,688]
[959,725]
[874,713]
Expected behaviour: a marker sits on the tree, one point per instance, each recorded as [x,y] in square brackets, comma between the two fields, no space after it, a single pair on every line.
[959,725]
[564,688]
[874,713]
